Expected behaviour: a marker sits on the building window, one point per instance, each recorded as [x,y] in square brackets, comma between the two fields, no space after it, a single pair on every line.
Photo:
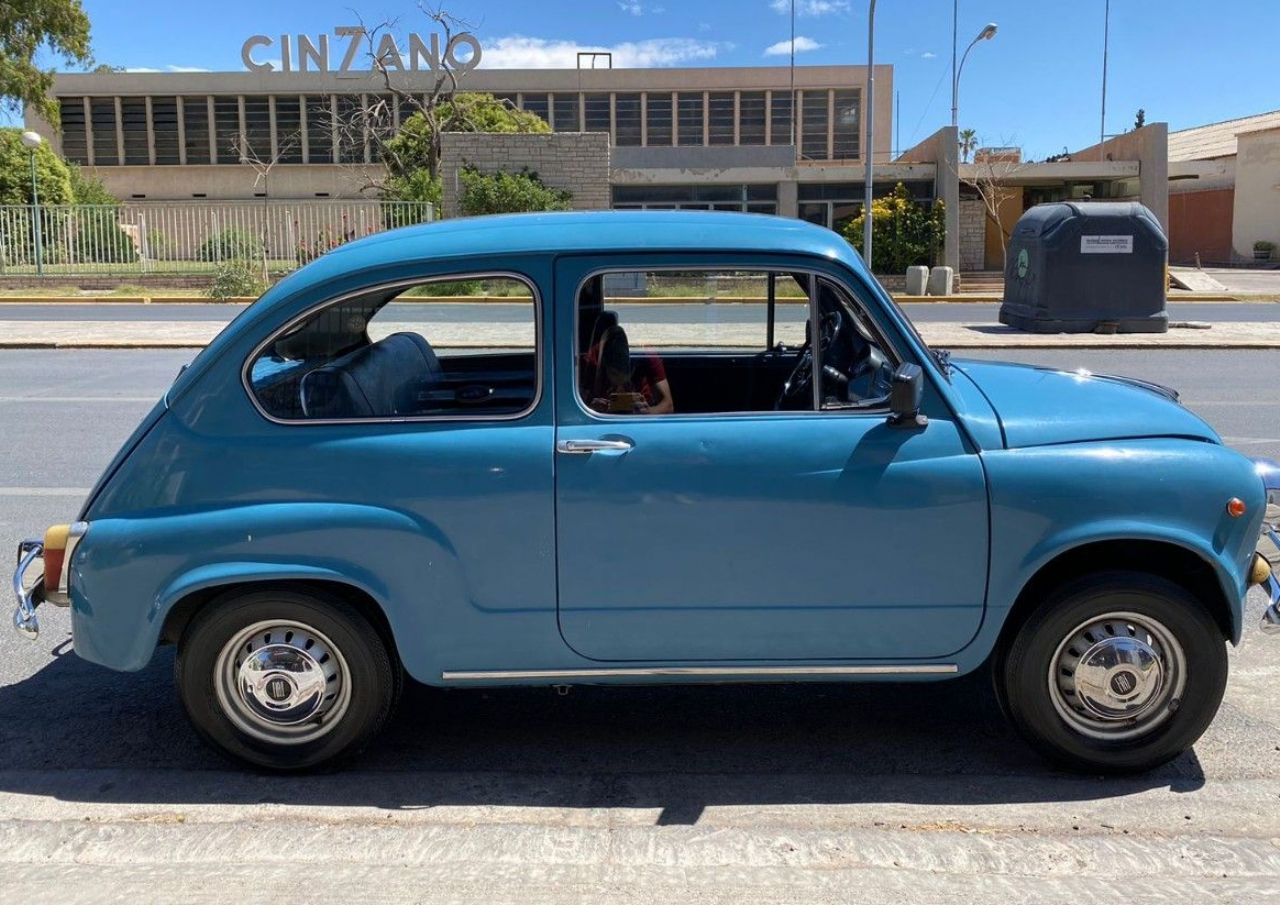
[195,128]
[690,117]
[846,127]
[133,122]
[814,125]
[658,114]
[257,128]
[164,127]
[720,117]
[537,105]
[596,113]
[319,129]
[627,117]
[75,145]
[566,112]
[102,113]
[226,127]
[780,118]
[751,118]
[761,198]
[288,129]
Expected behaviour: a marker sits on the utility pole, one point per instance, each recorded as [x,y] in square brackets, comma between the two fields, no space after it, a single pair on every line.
[1106,35]
[871,128]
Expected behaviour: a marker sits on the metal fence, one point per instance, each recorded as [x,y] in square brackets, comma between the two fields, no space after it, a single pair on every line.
[187,238]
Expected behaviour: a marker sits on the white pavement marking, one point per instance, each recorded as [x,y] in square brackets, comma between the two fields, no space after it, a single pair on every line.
[44,491]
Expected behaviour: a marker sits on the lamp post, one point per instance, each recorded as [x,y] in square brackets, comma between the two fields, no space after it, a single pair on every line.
[31,141]
[871,128]
[988,32]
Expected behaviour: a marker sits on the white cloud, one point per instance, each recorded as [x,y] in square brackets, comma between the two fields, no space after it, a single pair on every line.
[631,6]
[523,52]
[783,48]
[810,7]
[139,69]
[195,68]
[928,55]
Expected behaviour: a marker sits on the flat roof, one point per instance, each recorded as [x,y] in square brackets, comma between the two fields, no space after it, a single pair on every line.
[706,78]
[1217,139]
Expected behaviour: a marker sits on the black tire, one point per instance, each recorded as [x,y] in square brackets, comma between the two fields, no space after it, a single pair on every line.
[1174,725]
[360,661]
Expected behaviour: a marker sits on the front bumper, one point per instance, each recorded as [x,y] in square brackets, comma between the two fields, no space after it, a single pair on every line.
[1269,549]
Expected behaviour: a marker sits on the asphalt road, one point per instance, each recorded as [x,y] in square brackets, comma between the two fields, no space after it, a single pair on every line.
[871,793]
[967,312]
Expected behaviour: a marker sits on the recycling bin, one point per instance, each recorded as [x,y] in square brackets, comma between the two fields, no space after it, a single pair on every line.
[1086,267]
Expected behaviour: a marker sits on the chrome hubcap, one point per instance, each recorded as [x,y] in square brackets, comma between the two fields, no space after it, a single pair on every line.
[282,682]
[1117,676]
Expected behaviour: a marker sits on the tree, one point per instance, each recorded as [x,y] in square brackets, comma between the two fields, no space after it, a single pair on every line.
[27,26]
[905,233]
[1140,119]
[53,180]
[968,141]
[412,156]
[992,180]
[508,193]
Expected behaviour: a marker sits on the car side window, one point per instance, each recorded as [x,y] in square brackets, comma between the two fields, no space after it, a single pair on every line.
[707,341]
[445,348]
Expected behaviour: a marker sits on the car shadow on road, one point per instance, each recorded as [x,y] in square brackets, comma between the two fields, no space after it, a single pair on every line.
[76,732]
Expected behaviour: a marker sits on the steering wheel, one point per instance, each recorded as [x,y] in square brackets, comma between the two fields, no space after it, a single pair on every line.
[799,383]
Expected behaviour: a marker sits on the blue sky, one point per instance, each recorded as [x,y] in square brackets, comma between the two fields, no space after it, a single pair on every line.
[1037,84]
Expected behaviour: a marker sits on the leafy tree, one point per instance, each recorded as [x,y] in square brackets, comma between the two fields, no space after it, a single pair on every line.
[52,177]
[87,189]
[1140,119]
[27,26]
[968,141]
[508,193]
[412,157]
[905,233]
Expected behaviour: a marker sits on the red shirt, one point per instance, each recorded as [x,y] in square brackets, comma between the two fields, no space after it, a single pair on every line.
[647,371]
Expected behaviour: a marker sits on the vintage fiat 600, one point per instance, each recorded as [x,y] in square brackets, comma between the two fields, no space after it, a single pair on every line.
[643,447]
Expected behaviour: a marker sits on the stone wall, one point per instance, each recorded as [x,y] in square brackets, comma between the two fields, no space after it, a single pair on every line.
[973,232]
[575,161]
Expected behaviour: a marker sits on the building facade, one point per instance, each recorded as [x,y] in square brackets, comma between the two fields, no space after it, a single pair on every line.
[763,139]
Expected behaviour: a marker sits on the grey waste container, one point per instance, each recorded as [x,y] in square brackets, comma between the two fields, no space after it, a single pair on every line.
[1084,267]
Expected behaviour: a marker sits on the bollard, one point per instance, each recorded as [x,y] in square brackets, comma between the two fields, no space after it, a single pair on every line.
[917,280]
[940,280]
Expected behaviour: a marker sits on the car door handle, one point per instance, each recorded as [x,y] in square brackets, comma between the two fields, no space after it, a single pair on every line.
[586,447]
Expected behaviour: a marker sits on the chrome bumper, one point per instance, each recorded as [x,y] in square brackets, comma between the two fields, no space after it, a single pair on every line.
[24,616]
[1269,550]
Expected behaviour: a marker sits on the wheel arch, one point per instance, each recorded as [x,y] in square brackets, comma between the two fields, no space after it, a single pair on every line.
[1183,565]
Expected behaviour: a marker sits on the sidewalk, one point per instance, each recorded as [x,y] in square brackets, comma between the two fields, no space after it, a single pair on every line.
[499,334]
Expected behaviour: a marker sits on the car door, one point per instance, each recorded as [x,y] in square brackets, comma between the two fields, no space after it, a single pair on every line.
[755,535]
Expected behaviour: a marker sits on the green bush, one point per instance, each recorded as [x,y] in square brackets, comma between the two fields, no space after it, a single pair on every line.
[236,278]
[231,244]
[904,232]
[53,180]
[98,237]
[508,193]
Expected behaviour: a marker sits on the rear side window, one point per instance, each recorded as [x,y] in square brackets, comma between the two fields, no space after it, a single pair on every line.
[463,347]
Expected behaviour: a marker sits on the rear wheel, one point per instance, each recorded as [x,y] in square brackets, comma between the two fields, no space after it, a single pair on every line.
[1116,672]
[284,679]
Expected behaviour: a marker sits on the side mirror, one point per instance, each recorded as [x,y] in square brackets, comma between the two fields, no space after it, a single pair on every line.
[905,395]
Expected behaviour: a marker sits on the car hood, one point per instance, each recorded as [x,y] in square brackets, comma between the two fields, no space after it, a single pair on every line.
[1040,406]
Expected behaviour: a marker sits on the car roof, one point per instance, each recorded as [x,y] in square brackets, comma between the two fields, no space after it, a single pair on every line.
[596,231]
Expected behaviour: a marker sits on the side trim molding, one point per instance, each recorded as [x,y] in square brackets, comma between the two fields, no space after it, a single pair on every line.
[728,672]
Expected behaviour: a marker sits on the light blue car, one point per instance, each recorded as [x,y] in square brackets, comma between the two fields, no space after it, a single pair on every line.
[652,447]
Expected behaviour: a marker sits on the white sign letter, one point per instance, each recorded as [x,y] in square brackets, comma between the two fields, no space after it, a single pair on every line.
[246,54]
[355,33]
[309,51]
[451,57]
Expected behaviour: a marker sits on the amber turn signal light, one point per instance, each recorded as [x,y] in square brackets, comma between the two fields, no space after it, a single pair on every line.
[1236,507]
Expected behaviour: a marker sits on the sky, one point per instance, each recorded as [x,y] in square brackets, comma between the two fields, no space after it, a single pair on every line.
[1037,84]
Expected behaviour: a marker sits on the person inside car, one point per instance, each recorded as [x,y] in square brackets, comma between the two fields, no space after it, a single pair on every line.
[612,380]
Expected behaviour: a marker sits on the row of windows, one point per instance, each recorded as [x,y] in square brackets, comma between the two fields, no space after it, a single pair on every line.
[170,130]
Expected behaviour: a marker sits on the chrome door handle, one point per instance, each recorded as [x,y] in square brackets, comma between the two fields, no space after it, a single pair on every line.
[586,447]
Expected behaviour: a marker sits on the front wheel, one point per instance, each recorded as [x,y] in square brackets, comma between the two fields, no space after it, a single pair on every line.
[283,679]
[1118,672]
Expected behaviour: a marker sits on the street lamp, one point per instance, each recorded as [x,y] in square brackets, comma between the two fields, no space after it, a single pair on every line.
[31,141]
[988,32]
[871,128]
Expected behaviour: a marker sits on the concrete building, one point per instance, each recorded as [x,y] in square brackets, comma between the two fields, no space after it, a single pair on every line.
[1224,189]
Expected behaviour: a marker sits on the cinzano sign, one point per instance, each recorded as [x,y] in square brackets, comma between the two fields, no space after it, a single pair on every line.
[343,57]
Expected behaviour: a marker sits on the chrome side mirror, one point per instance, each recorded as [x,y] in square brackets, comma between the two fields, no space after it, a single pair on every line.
[905,394]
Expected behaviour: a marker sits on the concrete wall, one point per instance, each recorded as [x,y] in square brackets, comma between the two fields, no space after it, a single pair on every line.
[973,234]
[1256,206]
[942,149]
[1150,147]
[1200,224]
[576,161]
[237,182]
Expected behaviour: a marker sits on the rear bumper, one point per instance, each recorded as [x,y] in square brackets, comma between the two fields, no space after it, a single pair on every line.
[25,621]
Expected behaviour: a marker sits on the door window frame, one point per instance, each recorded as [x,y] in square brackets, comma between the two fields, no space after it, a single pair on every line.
[246,370]
[815,275]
